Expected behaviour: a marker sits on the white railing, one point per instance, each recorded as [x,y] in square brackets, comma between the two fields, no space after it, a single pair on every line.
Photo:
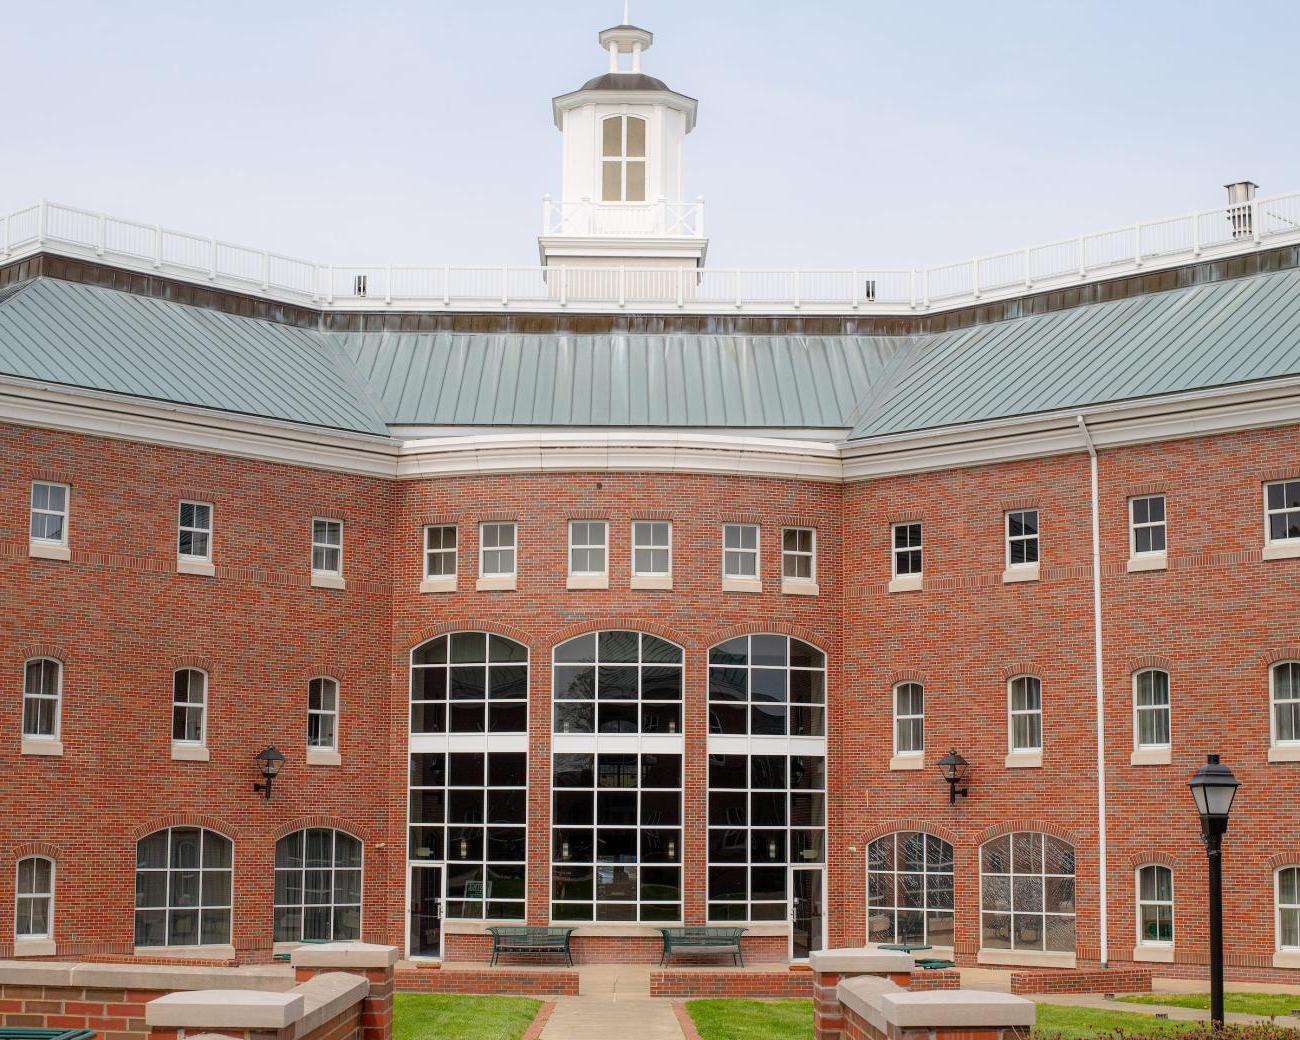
[1223,231]
[660,219]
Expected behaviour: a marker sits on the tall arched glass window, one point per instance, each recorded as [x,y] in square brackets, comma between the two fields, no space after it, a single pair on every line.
[189,706]
[317,886]
[182,888]
[42,690]
[1151,708]
[910,890]
[618,682]
[1286,702]
[1155,905]
[622,164]
[767,685]
[34,903]
[1027,893]
[469,682]
[909,719]
[1288,909]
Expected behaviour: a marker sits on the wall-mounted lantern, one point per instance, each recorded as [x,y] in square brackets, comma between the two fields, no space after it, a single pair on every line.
[954,769]
[270,761]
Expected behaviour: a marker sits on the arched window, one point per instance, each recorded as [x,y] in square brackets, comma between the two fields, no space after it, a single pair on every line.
[622,166]
[909,719]
[767,685]
[1027,893]
[317,886]
[1151,708]
[322,714]
[910,890]
[42,691]
[1286,702]
[618,682]
[189,706]
[182,888]
[34,906]
[1155,905]
[469,682]
[1288,909]
[1025,700]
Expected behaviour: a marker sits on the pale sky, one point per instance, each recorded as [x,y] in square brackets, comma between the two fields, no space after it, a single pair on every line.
[831,132]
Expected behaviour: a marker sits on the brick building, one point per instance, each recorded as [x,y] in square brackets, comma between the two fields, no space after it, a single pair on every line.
[621,591]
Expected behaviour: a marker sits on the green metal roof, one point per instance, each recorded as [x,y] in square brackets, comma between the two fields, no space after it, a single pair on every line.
[491,379]
[103,339]
[1210,335]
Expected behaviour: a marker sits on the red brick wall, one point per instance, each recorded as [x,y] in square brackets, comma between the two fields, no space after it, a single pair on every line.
[1135,980]
[503,979]
[730,983]
[595,949]
[116,1014]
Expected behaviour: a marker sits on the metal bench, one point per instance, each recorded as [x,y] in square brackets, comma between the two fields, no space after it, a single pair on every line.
[26,1033]
[703,941]
[530,941]
[934,963]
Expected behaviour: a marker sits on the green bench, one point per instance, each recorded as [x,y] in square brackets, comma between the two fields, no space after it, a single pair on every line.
[702,941]
[287,956]
[26,1033]
[530,941]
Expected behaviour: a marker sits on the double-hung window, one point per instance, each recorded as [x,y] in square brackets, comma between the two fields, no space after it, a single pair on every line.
[1022,538]
[1288,909]
[189,706]
[322,714]
[740,552]
[34,905]
[907,550]
[1285,683]
[194,532]
[588,548]
[1155,905]
[1282,513]
[440,551]
[799,554]
[909,719]
[652,549]
[1026,714]
[497,547]
[49,514]
[42,689]
[1151,708]
[327,547]
[1147,525]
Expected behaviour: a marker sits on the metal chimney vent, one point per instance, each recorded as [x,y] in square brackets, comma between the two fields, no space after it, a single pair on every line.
[1240,211]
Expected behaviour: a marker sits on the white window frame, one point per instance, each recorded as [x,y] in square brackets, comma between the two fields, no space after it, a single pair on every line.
[442,551]
[1279,907]
[1269,513]
[327,546]
[1036,538]
[332,714]
[182,528]
[1134,526]
[637,525]
[810,555]
[512,548]
[900,718]
[1139,708]
[1013,713]
[168,906]
[928,868]
[1273,702]
[755,553]
[895,550]
[56,697]
[63,514]
[1160,944]
[624,161]
[189,706]
[589,547]
[46,895]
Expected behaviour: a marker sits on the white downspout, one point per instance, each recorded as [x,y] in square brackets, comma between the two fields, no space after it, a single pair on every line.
[1101,697]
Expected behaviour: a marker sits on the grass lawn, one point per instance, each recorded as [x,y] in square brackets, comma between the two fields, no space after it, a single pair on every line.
[1244,1003]
[732,1019]
[437,1016]
[1070,1022]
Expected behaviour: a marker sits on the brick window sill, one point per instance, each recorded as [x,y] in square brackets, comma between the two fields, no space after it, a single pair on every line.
[184,752]
[799,587]
[1148,562]
[1286,959]
[1150,756]
[34,948]
[1281,550]
[587,581]
[1024,760]
[742,585]
[1284,753]
[47,551]
[203,568]
[440,583]
[42,746]
[328,581]
[496,583]
[321,757]
[904,762]
[661,582]
[907,583]
[1026,572]
[1154,954]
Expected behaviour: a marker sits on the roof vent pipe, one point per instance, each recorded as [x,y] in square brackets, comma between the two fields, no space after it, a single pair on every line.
[1240,211]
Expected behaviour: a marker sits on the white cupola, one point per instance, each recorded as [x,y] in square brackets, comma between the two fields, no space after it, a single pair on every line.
[622,202]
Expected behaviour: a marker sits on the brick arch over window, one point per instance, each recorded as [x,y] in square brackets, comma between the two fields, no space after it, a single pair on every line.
[467,625]
[1009,826]
[1278,654]
[768,628]
[924,826]
[210,823]
[617,624]
[1142,664]
[330,823]
[1283,859]
[203,664]
[1022,668]
[319,668]
[1148,859]
[50,650]
[36,848]
[908,675]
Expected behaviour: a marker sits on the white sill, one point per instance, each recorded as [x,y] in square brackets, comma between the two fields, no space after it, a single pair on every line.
[907,583]
[42,746]
[322,757]
[496,583]
[912,761]
[1286,959]
[1154,954]
[587,581]
[439,583]
[1150,756]
[48,551]
[1282,550]
[187,566]
[742,585]
[205,953]
[1024,760]
[328,581]
[1022,572]
[1156,561]
[662,582]
[1284,753]
[34,948]
[183,751]
[800,587]
[1036,958]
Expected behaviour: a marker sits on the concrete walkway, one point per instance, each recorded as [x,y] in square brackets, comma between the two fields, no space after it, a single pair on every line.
[614,1004]
[1178,1014]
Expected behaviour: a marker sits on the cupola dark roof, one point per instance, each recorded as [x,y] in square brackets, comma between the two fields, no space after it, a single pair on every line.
[625,81]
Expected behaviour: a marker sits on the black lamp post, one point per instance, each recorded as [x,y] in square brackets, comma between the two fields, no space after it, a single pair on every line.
[954,769]
[271,761]
[1213,788]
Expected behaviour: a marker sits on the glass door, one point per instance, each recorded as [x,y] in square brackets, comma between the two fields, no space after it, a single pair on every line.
[807,926]
[426,911]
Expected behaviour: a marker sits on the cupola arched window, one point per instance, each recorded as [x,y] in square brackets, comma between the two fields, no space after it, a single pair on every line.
[622,164]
